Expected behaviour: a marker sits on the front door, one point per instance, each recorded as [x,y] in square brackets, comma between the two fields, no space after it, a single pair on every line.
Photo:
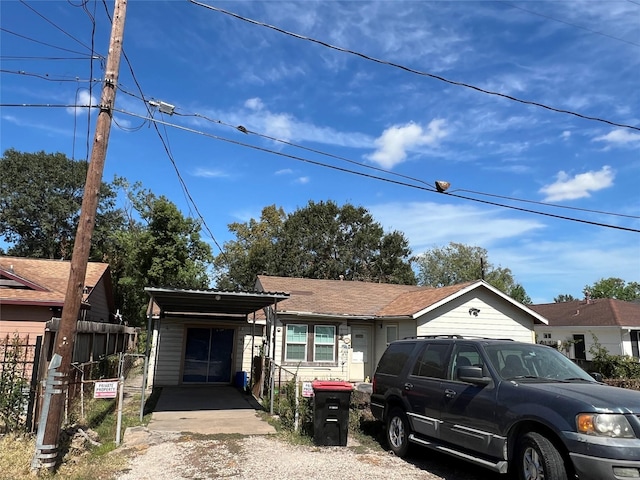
[360,358]
[208,354]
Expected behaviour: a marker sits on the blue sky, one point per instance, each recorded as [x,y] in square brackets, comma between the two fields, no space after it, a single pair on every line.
[219,72]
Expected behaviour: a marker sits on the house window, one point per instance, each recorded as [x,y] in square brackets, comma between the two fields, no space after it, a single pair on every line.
[546,336]
[323,343]
[296,343]
[392,333]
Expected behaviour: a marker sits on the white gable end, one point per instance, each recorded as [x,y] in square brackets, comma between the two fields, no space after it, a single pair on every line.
[478,313]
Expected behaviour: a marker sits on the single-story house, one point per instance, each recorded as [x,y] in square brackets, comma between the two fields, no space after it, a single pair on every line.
[32,294]
[575,326]
[334,329]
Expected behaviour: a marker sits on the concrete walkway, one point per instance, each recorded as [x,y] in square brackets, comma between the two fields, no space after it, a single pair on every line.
[208,410]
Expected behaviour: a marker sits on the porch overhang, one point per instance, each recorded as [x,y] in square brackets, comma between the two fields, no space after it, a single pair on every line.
[211,303]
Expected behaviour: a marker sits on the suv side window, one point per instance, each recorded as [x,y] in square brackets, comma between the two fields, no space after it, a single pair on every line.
[395,357]
[432,362]
[465,356]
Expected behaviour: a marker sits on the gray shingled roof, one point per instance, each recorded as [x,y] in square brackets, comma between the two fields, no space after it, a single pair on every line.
[600,312]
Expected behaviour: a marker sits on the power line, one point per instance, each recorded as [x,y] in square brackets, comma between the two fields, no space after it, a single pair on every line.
[371,167]
[412,70]
[56,26]
[375,177]
[41,43]
[167,150]
[45,76]
[548,17]
[16,57]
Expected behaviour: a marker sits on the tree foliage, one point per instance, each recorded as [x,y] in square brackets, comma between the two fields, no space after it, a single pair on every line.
[564,298]
[459,263]
[40,200]
[321,240]
[161,249]
[615,288]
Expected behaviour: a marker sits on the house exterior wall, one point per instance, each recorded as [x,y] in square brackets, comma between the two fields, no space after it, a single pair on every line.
[612,338]
[495,318]
[21,328]
[166,361]
[99,311]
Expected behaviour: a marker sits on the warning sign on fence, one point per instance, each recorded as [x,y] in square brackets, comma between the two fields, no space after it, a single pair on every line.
[105,390]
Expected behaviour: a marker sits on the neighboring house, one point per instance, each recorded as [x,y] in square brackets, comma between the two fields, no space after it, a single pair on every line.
[573,325]
[32,294]
[333,329]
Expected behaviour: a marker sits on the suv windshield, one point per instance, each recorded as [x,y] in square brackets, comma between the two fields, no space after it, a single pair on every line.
[533,361]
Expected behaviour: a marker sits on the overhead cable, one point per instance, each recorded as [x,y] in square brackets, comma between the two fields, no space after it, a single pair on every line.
[375,177]
[412,70]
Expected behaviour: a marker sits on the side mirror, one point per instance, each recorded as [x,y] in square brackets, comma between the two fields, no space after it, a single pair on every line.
[473,375]
[596,376]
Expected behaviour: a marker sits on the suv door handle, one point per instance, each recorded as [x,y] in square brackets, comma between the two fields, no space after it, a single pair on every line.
[449,393]
[408,386]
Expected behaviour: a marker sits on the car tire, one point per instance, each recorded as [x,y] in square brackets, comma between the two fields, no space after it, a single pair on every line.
[537,457]
[398,432]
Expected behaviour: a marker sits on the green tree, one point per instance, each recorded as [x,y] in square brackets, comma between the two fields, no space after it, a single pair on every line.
[459,263]
[159,247]
[40,200]
[252,252]
[564,298]
[322,240]
[615,288]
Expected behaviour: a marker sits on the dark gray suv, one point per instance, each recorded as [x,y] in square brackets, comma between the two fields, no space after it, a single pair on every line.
[507,406]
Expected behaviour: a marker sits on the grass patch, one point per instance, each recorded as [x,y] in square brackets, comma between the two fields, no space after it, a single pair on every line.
[80,460]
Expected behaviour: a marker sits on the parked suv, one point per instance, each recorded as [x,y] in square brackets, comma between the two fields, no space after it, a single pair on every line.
[507,406]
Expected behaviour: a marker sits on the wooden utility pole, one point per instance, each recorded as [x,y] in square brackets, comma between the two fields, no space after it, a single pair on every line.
[66,335]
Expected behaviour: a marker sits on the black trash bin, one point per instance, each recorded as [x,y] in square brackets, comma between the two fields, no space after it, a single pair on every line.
[331,412]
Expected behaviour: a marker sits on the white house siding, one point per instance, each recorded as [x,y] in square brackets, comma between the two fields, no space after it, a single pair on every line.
[308,371]
[169,347]
[495,318]
[611,338]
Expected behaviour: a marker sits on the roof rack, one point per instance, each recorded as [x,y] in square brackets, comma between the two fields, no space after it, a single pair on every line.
[461,337]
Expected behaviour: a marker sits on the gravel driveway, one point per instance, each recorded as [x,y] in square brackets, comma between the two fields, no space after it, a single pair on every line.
[157,456]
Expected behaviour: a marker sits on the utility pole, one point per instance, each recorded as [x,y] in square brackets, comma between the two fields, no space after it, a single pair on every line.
[68,323]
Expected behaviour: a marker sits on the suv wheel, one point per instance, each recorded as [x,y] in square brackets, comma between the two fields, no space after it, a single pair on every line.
[537,458]
[398,432]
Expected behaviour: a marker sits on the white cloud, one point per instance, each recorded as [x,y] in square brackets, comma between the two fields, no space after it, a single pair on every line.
[284,171]
[565,135]
[81,101]
[303,180]
[257,117]
[429,224]
[578,186]
[619,136]
[395,141]
[207,173]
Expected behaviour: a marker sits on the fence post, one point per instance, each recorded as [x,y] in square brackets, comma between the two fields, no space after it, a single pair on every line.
[33,387]
[297,412]
[272,382]
[119,419]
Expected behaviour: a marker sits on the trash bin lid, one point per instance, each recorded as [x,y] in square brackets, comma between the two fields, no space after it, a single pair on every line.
[331,385]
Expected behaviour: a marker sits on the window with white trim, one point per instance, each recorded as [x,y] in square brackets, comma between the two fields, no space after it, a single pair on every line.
[296,343]
[324,339]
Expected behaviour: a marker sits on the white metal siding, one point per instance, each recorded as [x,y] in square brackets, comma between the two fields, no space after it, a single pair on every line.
[610,338]
[169,359]
[495,318]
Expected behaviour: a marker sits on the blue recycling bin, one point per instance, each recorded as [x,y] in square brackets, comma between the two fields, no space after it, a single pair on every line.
[241,380]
